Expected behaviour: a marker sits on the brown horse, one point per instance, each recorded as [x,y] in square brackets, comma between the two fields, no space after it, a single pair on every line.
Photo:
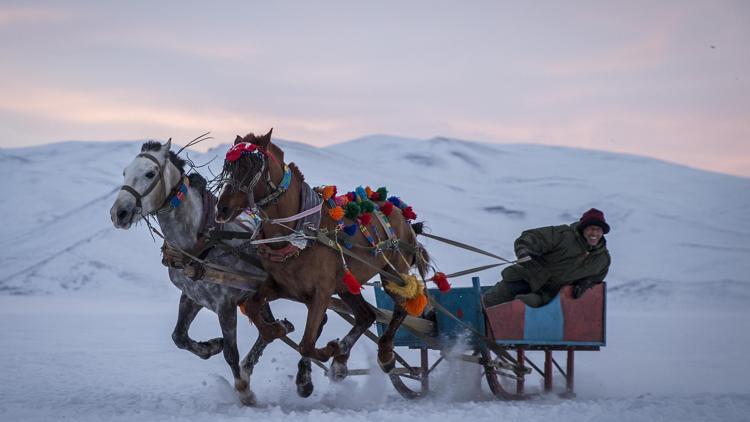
[316,273]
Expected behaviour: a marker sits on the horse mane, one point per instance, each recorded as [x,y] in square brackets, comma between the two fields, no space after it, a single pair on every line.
[198,182]
[296,172]
[156,146]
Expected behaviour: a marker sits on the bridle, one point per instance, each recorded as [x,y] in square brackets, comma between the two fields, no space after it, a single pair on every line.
[158,178]
[247,185]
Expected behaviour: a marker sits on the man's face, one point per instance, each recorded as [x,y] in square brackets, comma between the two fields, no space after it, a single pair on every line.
[593,234]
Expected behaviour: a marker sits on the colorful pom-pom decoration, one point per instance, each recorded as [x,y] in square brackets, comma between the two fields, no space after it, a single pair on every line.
[352,210]
[395,201]
[365,218]
[341,200]
[351,196]
[386,208]
[368,191]
[382,193]
[361,194]
[351,229]
[415,307]
[329,192]
[367,206]
[351,283]
[409,214]
[442,282]
[336,213]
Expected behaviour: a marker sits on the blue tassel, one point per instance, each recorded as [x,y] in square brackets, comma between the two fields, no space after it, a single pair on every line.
[395,201]
[362,194]
[351,230]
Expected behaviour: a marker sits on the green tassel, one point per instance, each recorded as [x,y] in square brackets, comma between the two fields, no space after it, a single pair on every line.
[351,210]
[383,193]
[367,206]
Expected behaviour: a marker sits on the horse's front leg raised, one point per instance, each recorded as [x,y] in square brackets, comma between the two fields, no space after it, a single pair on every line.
[386,357]
[186,314]
[228,322]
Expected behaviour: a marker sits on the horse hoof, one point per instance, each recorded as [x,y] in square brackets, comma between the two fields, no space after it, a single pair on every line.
[339,371]
[288,326]
[303,380]
[304,390]
[248,399]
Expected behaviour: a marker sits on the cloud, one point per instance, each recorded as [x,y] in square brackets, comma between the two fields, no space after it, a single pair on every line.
[31,15]
[119,115]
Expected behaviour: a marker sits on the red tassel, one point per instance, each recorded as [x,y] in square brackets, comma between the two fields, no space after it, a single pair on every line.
[351,283]
[386,208]
[442,282]
[365,219]
[351,197]
[409,214]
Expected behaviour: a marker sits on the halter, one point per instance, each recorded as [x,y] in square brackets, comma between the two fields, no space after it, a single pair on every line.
[246,148]
[175,198]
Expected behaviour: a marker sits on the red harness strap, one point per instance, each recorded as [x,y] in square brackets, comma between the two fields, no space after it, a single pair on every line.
[278,255]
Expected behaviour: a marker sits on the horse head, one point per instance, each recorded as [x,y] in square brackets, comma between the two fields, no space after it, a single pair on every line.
[247,162]
[148,180]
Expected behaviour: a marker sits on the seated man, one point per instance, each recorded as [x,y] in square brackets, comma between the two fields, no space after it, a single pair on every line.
[559,255]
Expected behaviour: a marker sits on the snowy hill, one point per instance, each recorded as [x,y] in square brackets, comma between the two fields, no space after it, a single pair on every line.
[676,230]
[95,302]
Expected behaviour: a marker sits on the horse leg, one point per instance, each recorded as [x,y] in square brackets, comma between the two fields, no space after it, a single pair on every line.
[304,369]
[228,322]
[364,316]
[251,359]
[268,330]
[187,311]
[316,311]
[386,357]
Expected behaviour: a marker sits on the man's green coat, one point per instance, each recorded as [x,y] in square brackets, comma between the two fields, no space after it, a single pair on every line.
[560,256]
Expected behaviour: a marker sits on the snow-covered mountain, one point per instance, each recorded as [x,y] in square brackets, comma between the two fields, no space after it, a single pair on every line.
[86,311]
[675,230]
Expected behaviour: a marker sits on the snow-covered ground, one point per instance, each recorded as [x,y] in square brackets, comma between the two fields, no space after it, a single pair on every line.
[86,332]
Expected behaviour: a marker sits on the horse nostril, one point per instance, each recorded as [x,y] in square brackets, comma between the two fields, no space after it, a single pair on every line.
[122,214]
[224,211]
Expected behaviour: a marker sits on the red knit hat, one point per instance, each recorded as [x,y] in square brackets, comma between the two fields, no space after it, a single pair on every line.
[593,217]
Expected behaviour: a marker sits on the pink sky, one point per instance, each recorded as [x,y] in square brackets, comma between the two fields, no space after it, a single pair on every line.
[669,80]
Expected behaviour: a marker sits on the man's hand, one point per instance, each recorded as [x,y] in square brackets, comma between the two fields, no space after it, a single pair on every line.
[522,253]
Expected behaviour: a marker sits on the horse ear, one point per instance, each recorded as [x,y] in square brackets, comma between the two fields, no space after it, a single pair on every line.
[237,140]
[168,146]
[264,140]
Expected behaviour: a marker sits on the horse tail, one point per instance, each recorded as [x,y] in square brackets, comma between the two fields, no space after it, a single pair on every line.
[422,259]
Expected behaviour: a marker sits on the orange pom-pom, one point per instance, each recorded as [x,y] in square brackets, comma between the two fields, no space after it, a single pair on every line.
[329,192]
[442,282]
[415,307]
[336,213]
[386,208]
[351,283]
[368,191]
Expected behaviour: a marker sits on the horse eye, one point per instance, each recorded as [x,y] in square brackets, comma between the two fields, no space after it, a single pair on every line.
[150,175]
